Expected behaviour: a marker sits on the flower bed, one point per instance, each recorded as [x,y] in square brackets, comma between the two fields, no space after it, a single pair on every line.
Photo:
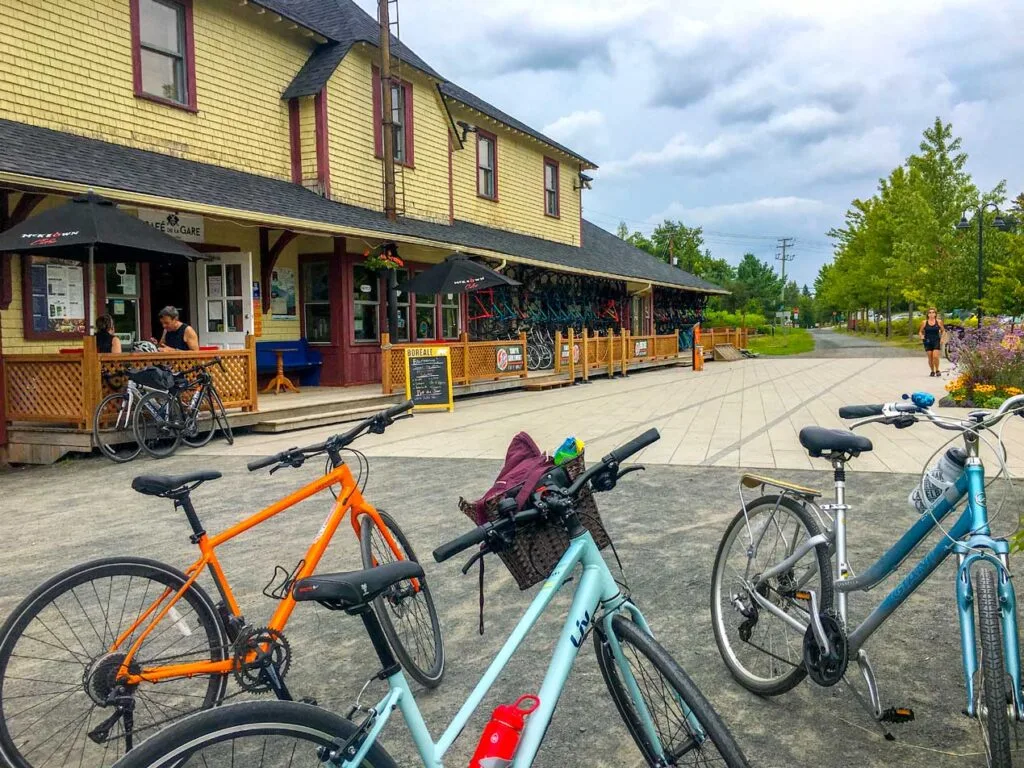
[990,368]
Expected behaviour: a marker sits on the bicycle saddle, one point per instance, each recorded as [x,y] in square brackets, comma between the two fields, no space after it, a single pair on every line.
[354,588]
[819,440]
[169,485]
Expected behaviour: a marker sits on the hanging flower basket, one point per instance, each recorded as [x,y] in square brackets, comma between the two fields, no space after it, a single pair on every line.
[384,257]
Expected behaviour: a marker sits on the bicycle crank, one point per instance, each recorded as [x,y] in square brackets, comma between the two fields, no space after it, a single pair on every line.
[826,666]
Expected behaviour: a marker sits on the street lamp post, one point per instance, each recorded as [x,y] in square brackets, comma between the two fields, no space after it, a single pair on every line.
[999,223]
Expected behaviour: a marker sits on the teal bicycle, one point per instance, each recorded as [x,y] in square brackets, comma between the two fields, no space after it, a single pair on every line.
[779,606]
[667,716]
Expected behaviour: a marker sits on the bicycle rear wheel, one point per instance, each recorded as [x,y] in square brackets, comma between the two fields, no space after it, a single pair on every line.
[112,429]
[157,424]
[689,730]
[59,659]
[991,696]
[221,415]
[764,653]
[256,734]
[200,432]
[406,614]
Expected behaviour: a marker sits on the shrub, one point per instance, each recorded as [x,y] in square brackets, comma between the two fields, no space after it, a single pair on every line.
[990,363]
[721,319]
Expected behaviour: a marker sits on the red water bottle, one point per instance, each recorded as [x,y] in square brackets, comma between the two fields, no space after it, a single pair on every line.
[500,738]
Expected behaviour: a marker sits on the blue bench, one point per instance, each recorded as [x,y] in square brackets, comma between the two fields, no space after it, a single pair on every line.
[306,361]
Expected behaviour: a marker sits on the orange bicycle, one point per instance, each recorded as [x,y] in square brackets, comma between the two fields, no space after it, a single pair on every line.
[103,654]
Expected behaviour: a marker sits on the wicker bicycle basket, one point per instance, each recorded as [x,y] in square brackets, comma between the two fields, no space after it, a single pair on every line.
[538,548]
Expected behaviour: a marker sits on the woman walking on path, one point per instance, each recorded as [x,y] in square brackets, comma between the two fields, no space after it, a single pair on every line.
[931,333]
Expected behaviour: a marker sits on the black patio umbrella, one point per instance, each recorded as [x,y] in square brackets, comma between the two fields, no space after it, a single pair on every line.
[456,274]
[92,229]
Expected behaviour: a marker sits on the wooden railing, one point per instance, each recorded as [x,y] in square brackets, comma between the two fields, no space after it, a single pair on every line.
[709,338]
[583,355]
[471,360]
[66,388]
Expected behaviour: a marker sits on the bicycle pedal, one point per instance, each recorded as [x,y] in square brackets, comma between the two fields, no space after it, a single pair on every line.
[308,700]
[897,715]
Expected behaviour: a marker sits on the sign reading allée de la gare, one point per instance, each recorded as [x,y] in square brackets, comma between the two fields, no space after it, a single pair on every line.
[182,226]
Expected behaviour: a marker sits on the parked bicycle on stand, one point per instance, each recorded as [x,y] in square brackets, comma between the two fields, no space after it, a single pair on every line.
[774,580]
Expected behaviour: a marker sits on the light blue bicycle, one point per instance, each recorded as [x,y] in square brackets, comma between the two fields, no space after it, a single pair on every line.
[667,716]
[779,608]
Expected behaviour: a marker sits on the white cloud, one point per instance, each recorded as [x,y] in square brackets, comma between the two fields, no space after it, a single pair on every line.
[681,154]
[763,207]
[582,125]
[806,121]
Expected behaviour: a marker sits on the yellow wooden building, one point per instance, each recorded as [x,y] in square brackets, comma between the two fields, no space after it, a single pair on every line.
[251,129]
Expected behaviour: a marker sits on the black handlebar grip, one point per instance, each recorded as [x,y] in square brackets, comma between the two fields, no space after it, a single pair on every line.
[860,411]
[635,445]
[266,461]
[465,541]
[398,410]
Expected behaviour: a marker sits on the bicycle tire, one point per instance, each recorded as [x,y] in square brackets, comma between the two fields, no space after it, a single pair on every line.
[204,428]
[392,604]
[993,696]
[222,417]
[123,423]
[636,643]
[36,647]
[156,421]
[771,685]
[216,732]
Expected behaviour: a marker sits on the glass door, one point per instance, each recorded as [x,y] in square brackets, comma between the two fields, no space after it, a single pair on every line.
[225,300]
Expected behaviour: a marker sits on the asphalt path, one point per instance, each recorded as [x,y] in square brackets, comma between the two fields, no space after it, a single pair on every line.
[830,343]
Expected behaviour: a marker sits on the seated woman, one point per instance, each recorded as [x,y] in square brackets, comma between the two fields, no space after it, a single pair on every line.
[106,341]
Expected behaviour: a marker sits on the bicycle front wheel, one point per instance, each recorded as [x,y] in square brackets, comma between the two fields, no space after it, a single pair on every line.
[991,691]
[689,730]
[200,426]
[62,648]
[158,424]
[763,652]
[406,613]
[256,734]
[221,415]
[112,429]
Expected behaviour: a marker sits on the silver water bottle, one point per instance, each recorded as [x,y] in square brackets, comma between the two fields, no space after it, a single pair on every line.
[943,473]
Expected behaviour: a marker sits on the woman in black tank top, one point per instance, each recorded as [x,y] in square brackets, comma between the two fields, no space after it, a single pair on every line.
[106,341]
[931,335]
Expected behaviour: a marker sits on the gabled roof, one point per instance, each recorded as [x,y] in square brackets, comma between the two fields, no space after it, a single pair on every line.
[345,24]
[46,154]
[452,91]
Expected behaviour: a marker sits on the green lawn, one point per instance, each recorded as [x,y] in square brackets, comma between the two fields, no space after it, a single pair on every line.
[786,341]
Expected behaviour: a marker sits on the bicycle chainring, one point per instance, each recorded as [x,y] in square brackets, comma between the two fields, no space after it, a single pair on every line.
[827,669]
[257,649]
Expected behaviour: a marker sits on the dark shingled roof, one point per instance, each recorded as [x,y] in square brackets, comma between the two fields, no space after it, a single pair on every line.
[344,23]
[48,154]
[452,91]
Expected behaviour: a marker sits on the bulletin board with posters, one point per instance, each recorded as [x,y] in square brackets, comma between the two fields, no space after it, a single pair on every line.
[58,295]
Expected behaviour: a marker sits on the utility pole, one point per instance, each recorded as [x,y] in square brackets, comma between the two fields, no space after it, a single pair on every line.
[387,122]
[785,243]
[672,252]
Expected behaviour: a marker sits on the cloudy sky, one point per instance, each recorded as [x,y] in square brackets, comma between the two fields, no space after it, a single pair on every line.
[752,118]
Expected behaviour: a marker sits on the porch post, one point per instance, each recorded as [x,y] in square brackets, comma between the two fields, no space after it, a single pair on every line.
[625,351]
[572,356]
[611,353]
[465,356]
[522,340]
[558,352]
[385,363]
[91,382]
[585,357]
[250,347]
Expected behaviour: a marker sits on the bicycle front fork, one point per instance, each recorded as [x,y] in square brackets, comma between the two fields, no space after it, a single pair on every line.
[996,553]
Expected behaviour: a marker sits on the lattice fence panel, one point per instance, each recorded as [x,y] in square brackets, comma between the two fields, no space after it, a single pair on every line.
[483,361]
[232,383]
[44,388]
[458,354]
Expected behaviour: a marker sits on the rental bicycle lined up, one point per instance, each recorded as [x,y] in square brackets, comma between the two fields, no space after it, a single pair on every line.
[779,604]
[105,653]
[668,718]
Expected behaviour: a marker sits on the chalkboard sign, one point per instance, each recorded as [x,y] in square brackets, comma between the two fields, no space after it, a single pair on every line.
[428,377]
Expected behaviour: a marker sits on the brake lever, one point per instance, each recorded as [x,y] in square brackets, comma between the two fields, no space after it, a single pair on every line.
[633,468]
[294,462]
[484,550]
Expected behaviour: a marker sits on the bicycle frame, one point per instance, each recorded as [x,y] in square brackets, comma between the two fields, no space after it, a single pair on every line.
[349,499]
[596,588]
[969,538]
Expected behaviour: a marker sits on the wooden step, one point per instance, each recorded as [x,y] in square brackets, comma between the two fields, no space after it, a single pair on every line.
[727,352]
[272,423]
[546,382]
